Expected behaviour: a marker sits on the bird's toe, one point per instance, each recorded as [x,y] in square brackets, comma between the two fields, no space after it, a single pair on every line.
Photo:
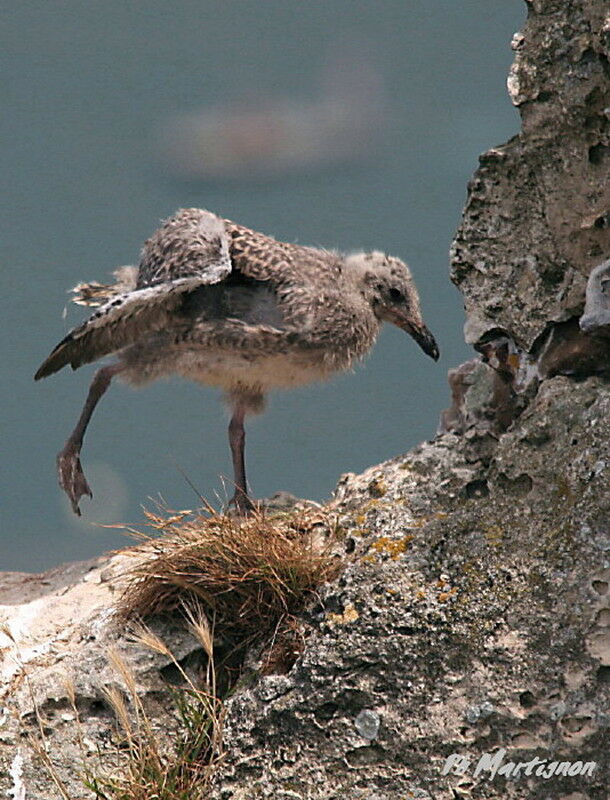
[71,477]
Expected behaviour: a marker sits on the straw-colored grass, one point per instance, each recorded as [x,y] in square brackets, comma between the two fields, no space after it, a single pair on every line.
[236,582]
[233,580]
[251,575]
[143,763]
[149,768]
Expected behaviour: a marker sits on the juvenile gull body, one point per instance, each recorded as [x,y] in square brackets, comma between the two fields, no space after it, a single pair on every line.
[229,307]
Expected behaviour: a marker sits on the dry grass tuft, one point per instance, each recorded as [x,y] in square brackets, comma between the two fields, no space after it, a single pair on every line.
[235,580]
[249,574]
[151,766]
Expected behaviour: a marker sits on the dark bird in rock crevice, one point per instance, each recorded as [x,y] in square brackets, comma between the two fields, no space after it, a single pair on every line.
[226,306]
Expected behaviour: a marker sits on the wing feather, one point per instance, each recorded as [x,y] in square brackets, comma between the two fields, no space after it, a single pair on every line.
[190,250]
[117,324]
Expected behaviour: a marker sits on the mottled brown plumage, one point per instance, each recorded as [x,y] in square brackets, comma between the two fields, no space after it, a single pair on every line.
[229,307]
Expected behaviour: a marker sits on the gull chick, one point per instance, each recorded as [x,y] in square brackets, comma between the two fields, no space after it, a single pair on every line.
[229,307]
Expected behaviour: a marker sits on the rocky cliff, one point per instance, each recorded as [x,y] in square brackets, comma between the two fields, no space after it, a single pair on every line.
[473,614]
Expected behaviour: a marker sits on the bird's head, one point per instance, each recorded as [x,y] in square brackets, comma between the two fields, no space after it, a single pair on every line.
[387,284]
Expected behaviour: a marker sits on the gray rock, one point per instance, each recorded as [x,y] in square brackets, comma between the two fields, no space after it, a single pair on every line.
[596,316]
[536,222]
[367,724]
[489,621]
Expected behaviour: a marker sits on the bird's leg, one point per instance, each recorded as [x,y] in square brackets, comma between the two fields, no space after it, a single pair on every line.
[69,471]
[237,440]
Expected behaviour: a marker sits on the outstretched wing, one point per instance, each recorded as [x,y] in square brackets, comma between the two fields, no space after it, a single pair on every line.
[128,317]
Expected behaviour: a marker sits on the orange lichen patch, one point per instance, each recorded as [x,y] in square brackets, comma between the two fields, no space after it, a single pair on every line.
[493,535]
[439,590]
[394,548]
[421,522]
[349,615]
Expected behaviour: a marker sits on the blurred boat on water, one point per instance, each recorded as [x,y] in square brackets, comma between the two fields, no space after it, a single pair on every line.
[274,137]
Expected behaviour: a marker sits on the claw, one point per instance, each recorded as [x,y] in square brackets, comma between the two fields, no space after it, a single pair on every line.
[71,476]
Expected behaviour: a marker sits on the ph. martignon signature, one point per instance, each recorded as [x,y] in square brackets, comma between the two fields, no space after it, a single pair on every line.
[491,764]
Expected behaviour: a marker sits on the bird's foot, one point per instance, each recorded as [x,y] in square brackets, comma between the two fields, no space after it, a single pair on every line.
[241,504]
[71,476]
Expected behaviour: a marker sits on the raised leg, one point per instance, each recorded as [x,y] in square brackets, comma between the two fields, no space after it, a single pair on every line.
[237,440]
[69,471]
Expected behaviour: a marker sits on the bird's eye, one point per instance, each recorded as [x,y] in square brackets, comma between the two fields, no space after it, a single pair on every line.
[396,296]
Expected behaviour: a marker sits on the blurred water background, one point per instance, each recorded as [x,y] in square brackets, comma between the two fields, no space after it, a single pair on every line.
[340,123]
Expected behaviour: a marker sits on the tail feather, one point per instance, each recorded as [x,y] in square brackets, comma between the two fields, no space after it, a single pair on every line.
[91,294]
[97,294]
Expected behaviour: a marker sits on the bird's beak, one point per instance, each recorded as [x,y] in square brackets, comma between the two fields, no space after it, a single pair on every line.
[418,331]
[424,339]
